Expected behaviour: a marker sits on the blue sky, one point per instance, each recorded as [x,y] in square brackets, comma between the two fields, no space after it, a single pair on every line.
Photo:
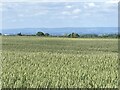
[59,14]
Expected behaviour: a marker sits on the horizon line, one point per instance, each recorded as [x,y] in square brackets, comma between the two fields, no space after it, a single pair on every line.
[59,27]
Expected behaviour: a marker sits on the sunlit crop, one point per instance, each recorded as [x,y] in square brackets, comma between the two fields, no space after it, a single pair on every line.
[59,62]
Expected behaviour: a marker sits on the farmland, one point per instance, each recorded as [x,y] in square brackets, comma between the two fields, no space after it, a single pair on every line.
[59,62]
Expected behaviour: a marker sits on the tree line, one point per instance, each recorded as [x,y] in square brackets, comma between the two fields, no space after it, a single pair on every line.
[72,35]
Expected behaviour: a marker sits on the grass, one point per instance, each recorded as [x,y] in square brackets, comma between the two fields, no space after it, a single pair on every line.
[59,62]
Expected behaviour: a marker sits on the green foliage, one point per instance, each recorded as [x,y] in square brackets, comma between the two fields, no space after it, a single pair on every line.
[59,62]
[19,34]
[89,36]
[73,35]
[40,34]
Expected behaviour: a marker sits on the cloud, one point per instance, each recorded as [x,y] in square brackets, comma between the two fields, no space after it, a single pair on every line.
[40,13]
[91,4]
[22,10]
[9,5]
[76,11]
[55,0]
[66,13]
[72,12]
[31,14]
[112,1]
[1,7]
[68,6]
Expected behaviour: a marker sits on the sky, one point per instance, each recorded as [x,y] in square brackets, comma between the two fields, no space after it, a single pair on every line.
[58,14]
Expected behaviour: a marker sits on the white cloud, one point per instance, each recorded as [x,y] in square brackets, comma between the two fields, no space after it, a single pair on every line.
[0,7]
[112,1]
[66,13]
[68,6]
[72,12]
[40,13]
[54,0]
[17,20]
[31,14]
[11,5]
[76,11]
[91,4]
[24,10]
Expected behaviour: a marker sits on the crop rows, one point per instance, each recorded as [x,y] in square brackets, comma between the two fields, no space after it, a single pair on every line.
[59,62]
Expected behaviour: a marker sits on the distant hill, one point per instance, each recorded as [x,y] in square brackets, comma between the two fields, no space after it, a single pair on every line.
[66,30]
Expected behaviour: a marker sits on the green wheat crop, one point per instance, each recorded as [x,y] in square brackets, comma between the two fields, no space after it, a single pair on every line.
[59,62]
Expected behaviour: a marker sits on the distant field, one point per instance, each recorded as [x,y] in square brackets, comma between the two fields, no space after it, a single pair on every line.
[59,62]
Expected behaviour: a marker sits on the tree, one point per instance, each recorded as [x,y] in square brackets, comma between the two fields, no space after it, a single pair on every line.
[73,35]
[0,33]
[40,34]
[19,34]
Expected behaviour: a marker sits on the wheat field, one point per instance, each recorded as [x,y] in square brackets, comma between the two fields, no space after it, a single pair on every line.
[49,62]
